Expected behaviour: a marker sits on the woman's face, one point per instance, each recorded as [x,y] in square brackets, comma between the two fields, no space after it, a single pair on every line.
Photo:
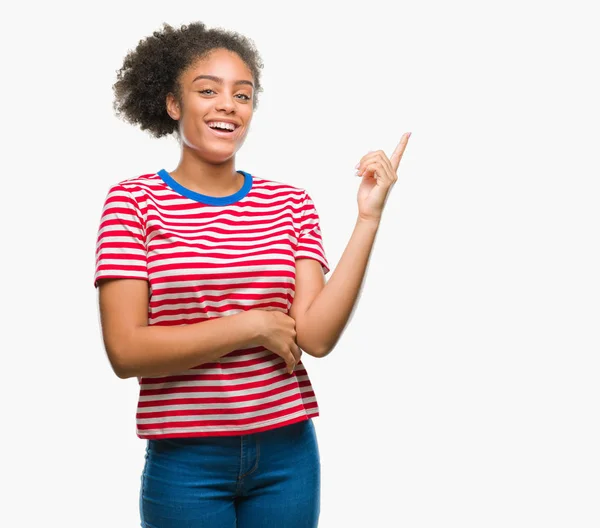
[216,89]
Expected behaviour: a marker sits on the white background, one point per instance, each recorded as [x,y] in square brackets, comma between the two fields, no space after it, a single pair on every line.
[465,390]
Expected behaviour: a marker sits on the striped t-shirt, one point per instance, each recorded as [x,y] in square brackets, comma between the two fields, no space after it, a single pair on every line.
[207,257]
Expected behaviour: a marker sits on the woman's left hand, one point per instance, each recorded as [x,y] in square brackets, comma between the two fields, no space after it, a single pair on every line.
[378,176]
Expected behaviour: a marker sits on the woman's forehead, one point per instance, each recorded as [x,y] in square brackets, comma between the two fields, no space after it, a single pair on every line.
[221,63]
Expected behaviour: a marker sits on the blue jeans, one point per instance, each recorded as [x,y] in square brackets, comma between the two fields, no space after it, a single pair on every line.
[269,479]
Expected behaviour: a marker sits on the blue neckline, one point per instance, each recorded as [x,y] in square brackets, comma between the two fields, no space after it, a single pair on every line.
[204,198]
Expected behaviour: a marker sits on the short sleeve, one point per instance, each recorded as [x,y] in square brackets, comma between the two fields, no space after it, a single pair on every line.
[121,247]
[310,242]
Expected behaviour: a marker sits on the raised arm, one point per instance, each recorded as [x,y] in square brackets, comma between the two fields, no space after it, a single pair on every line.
[322,310]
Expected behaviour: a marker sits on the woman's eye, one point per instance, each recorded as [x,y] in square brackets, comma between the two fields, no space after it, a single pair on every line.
[244,96]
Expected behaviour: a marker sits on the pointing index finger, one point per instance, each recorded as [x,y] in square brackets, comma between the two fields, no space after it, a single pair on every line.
[399,150]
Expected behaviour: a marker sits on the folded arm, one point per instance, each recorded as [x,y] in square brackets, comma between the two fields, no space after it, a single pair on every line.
[136,349]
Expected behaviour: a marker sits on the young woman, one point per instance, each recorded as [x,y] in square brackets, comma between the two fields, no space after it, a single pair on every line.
[211,285]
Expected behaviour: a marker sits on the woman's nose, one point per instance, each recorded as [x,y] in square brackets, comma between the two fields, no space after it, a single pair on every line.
[225,102]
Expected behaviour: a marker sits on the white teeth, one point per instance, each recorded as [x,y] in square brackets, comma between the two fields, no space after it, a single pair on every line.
[221,124]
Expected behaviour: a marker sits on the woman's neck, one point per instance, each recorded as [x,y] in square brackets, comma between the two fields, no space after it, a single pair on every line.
[207,178]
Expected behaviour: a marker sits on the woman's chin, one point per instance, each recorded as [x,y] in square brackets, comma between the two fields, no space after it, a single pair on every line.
[218,156]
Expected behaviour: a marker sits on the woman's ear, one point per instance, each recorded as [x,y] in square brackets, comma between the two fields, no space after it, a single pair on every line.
[173,107]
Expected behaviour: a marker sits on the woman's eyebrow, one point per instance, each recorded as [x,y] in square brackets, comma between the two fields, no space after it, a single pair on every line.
[220,81]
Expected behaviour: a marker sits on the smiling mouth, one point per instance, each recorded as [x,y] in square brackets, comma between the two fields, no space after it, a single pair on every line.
[223,133]
[222,126]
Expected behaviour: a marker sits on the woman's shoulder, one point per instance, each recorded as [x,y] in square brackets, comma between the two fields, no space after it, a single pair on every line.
[272,185]
[139,187]
[138,182]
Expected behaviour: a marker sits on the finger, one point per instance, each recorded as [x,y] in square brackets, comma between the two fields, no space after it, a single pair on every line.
[368,156]
[373,171]
[378,155]
[288,359]
[291,363]
[296,351]
[380,171]
[398,151]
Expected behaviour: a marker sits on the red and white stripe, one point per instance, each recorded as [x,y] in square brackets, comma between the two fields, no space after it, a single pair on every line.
[205,261]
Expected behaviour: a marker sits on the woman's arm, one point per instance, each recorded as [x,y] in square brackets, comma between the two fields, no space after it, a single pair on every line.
[321,311]
[136,349]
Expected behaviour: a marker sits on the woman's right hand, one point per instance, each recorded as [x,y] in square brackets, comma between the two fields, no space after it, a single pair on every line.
[277,333]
